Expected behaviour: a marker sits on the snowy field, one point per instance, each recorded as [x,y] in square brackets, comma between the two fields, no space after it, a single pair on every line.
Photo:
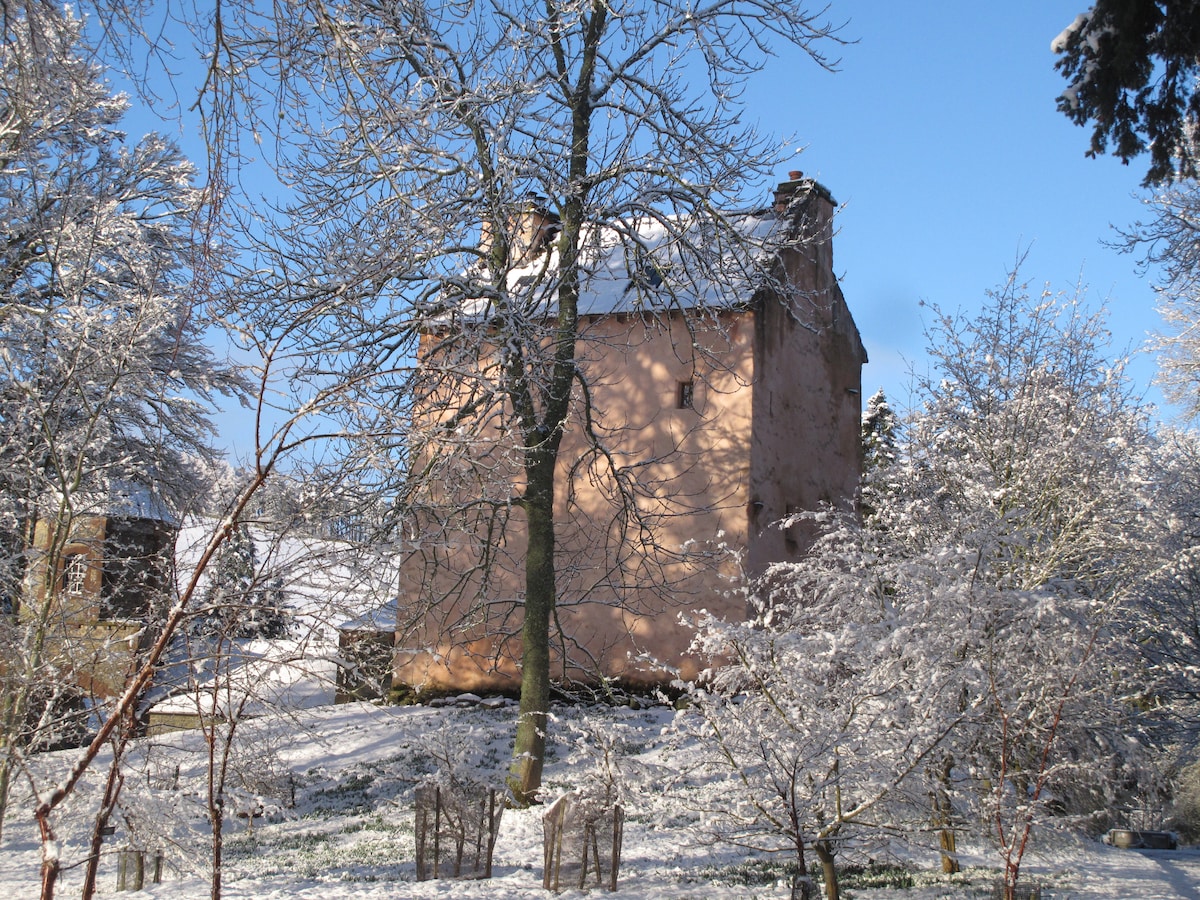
[336,785]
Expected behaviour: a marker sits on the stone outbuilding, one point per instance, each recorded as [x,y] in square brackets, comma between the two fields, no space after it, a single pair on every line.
[365,647]
[97,579]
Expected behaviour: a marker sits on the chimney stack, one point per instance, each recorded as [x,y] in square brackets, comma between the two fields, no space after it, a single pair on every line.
[796,187]
[787,190]
[530,228]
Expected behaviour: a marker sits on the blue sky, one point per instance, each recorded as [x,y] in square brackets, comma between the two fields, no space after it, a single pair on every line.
[940,137]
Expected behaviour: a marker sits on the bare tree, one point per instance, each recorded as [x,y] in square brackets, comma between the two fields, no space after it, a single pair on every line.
[105,381]
[411,135]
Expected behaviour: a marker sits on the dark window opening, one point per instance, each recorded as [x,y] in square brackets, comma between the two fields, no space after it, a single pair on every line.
[136,568]
[685,395]
[128,582]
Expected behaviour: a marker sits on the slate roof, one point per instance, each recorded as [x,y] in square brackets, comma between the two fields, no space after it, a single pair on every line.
[651,264]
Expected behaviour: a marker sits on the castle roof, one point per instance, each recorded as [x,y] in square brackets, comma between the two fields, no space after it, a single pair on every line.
[128,500]
[655,262]
[118,500]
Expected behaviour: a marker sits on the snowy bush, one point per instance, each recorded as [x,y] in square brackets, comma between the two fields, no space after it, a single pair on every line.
[970,639]
[824,706]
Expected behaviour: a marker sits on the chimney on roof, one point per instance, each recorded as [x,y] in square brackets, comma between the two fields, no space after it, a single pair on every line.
[798,188]
[530,226]
[808,208]
[533,227]
[788,190]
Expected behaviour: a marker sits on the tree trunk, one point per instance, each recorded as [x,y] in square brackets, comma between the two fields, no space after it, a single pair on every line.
[828,871]
[13,706]
[51,864]
[112,790]
[949,850]
[542,440]
[218,769]
[942,820]
[5,774]
[218,850]
[802,886]
[216,807]
[529,748]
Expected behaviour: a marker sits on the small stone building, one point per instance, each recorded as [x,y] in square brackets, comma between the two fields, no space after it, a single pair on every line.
[98,581]
[365,647]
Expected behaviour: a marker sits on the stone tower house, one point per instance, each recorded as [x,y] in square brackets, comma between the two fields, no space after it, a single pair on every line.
[726,416]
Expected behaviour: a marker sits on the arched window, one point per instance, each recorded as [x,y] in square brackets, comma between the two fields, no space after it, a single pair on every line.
[74,577]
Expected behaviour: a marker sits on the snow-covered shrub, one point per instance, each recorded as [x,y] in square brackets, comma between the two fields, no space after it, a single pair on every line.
[457,825]
[970,639]
[820,709]
[1185,815]
[459,805]
[584,827]
[584,831]
[1028,466]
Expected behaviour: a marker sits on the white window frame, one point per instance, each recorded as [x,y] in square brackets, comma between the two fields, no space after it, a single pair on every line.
[75,573]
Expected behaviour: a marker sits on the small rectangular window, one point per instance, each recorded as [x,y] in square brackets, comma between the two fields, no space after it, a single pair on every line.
[685,396]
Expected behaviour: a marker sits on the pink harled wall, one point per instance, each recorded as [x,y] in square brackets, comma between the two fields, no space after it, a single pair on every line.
[771,426]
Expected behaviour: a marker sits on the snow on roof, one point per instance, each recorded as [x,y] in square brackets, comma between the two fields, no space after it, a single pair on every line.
[136,501]
[324,581]
[653,263]
[381,618]
[256,677]
[118,499]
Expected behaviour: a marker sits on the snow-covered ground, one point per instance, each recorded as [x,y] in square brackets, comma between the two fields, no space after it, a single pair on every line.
[336,788]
